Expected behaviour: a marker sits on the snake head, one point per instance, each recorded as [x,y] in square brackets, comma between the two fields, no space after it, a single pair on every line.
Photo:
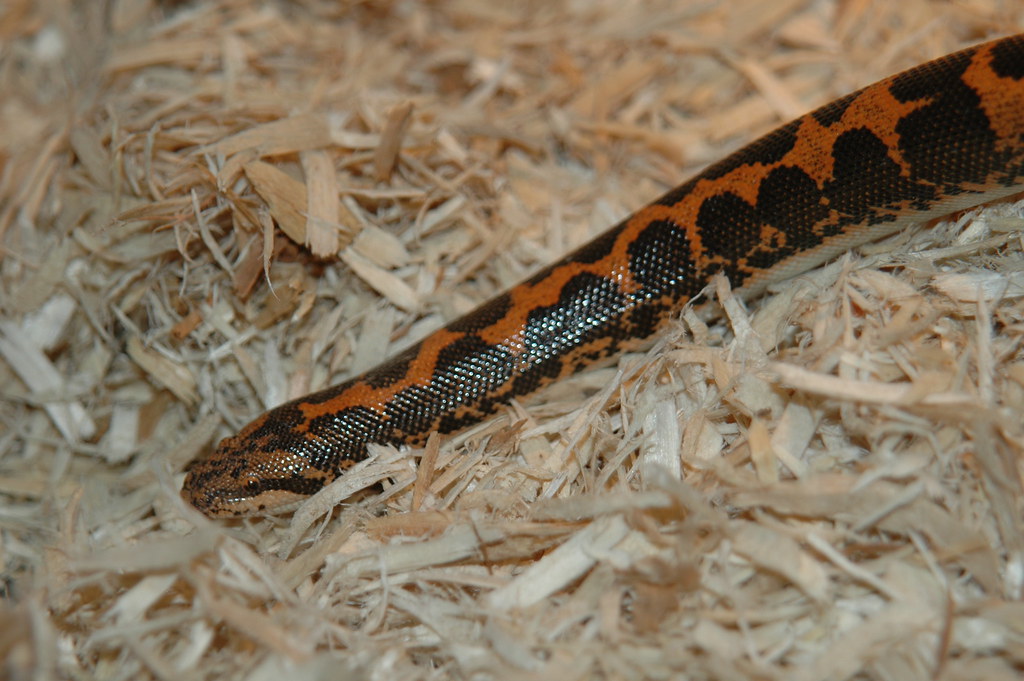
[240,480]
[285,456]
[270,466]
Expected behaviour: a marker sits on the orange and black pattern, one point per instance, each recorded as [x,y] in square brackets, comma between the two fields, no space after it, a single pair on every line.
[940,137]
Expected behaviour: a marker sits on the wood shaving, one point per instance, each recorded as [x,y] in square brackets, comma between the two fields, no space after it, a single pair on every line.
[210,208]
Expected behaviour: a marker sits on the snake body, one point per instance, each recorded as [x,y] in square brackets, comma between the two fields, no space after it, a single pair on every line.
[943,136]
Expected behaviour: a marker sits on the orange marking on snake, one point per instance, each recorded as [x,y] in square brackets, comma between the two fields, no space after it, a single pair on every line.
[937,138]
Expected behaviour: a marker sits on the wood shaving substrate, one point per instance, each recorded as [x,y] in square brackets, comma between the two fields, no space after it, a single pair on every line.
[209,208]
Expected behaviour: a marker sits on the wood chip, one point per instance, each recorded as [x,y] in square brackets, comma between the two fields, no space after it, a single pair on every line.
[285,197]
[208,208]
[386,154]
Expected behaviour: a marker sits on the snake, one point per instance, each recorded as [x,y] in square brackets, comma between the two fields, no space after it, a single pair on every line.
[938,138]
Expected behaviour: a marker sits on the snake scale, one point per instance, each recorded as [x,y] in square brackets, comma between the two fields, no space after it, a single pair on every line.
[941,137]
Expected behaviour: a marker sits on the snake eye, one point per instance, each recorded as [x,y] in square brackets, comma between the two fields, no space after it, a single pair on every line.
[251,482]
